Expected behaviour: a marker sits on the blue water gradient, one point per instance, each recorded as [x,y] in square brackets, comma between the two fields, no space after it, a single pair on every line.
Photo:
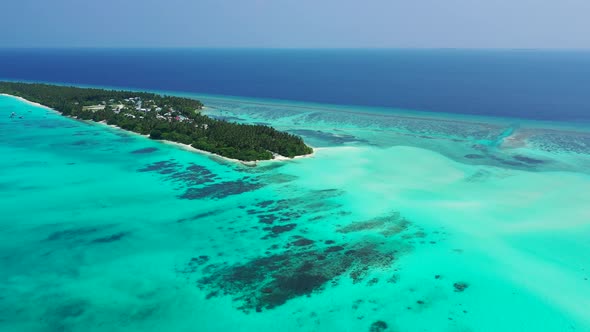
[398,222]
[542,85]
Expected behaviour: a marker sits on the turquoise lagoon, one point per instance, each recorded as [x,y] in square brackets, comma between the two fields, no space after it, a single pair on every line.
[400,221]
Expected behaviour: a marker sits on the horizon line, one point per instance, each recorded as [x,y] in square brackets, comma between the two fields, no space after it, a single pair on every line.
[287,48]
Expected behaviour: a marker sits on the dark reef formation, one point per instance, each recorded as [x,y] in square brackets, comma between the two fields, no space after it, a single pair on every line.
[297,265]
[144,151]
[388,225]
[268,282]
[378,326]
[198,182]
[460,286]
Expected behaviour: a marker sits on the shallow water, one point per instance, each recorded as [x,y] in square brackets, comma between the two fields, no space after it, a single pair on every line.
[397,223]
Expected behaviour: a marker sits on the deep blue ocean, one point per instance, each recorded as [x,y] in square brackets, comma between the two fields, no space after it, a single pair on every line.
[546,85]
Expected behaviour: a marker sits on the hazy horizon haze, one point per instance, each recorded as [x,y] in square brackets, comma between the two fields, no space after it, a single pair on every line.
[463,24]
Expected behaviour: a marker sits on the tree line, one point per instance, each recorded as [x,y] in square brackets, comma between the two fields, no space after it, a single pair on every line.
[184,122]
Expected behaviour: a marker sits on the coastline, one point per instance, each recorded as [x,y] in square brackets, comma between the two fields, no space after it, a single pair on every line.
[29,102]
[172,143]
[203,152]
[385,111]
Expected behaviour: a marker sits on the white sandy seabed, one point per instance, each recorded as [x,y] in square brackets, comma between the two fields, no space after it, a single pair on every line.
[520,239]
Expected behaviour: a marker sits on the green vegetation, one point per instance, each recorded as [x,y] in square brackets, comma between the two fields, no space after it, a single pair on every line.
[163,117]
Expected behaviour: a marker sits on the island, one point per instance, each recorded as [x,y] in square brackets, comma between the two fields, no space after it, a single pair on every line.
[162,117]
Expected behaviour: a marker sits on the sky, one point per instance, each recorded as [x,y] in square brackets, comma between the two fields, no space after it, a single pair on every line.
[296,23]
